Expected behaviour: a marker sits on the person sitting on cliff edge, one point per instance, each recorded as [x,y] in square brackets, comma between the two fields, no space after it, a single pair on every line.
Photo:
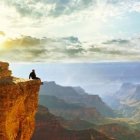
[32,75]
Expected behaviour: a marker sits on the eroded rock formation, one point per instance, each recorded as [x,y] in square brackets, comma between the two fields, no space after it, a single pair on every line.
[18,105]
[48,127]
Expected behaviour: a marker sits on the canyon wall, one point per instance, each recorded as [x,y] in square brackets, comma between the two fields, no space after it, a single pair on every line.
[48,127]
[18,105]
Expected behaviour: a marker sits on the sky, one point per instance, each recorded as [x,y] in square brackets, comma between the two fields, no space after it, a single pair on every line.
[96,78]
[69,30]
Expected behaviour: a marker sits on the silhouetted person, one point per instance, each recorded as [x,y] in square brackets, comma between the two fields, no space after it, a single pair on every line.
[33,75]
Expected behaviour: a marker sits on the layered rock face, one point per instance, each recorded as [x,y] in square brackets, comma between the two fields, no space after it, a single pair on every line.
[48,127]
[69,111]
[18,105]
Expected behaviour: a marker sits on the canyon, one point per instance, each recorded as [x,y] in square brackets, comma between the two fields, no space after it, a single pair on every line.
[48,127]
[61,113]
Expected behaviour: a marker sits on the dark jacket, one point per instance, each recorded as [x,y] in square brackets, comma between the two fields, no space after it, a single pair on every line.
[32,75]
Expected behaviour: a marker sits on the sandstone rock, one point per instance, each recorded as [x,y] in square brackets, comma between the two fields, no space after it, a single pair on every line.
[4,72]
[4,65]
[18,105]
[48,127]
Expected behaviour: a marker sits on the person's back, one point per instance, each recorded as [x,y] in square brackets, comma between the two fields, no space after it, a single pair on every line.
[33,75]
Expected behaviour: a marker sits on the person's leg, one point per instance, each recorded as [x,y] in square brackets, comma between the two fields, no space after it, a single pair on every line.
[37,78]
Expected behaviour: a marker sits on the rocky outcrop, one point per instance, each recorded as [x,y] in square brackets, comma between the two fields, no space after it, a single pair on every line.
[4,71]
[48,127]
[18,105]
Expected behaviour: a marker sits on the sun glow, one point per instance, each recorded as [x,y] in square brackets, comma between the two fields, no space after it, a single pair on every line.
[2,40]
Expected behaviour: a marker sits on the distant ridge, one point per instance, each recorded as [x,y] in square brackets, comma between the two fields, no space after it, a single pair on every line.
[69,111]
[76,95]
[127,100]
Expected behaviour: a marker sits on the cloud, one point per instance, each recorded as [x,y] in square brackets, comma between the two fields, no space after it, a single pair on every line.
[117,41]
[88,19]
[66,7]
[25,48]
[55,8]
[82,18]
[68,49]
[45,49]
[72,39]
[2,33]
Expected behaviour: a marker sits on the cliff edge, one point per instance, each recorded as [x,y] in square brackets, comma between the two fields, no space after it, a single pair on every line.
[18,105]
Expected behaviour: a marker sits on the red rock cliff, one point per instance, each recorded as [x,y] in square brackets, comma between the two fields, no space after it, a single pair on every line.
[48,127]
[18,105]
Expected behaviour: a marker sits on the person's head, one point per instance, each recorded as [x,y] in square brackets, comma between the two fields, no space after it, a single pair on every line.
[33,70]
